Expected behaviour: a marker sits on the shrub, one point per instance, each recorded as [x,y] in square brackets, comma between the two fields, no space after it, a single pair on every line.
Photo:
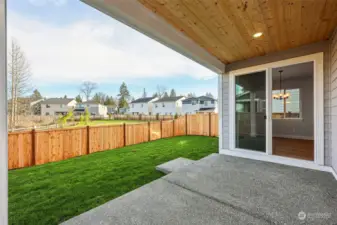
[86,116]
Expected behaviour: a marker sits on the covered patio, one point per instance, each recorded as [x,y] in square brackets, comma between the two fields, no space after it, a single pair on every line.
[222,189]
[254,40]
[238,186]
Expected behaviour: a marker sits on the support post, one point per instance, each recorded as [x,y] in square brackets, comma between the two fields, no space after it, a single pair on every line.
[33,147]
[3,119]
[124,134]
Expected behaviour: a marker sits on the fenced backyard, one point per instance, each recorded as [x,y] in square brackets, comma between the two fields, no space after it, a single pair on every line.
[36,147]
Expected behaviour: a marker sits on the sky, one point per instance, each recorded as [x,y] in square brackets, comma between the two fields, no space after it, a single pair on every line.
[68,42]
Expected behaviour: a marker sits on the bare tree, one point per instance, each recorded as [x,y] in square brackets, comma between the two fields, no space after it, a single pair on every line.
[161,91]
[87,88]
[19,77]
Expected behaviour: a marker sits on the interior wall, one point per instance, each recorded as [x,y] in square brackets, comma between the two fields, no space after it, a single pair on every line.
[297,128]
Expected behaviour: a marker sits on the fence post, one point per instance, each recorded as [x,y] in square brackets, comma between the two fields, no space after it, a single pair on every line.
[124,135]
[33,147]
[210,124]
[186,125]
[161,129]
[149,130]
[173,127]
[88,140]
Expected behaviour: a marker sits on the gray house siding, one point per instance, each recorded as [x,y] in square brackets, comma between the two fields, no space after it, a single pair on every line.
[225,111]
[333,96]
[323,46]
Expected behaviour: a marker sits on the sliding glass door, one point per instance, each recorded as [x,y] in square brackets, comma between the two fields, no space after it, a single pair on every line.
[250,111]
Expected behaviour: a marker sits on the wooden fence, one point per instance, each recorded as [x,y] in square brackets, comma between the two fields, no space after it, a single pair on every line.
[142,117]
[29,148]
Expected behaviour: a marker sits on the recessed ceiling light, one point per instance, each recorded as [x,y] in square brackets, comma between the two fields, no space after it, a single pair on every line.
[257,35]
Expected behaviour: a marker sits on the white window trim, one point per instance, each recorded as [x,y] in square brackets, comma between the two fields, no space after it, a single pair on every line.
[317,59]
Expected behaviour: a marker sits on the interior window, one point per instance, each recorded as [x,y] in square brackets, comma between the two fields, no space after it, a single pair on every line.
[287,108]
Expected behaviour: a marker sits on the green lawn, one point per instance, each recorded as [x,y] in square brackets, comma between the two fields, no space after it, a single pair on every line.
[55,192]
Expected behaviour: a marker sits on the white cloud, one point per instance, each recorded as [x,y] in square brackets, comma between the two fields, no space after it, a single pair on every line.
[96,50]
[45,2]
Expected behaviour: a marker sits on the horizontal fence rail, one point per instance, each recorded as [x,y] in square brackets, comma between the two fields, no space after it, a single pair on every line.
[36,147]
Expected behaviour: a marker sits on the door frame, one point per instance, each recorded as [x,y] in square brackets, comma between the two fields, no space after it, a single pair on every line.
[232,107]
[318,80]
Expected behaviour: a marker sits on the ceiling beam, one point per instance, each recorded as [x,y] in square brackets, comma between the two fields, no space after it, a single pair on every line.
[135,15]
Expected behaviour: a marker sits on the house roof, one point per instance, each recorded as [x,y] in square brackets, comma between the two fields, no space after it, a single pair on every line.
[143,100]
[169,99]
[201,98]
[57,101]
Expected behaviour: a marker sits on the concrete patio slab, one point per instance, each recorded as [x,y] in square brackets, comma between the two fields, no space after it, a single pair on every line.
[275,192]
[174,165]
[222,189]
[162,203]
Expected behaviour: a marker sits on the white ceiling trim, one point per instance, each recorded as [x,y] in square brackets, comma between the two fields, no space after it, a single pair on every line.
[135,15]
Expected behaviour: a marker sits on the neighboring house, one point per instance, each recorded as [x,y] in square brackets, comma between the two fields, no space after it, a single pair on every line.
[35,107]
[112,110]
[247,58]
[95,109]
[57,106]
[26,106]
[142,106]
[168,106]
[202,104]
[124,110]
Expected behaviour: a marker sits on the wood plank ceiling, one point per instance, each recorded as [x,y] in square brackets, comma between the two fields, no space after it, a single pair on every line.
[225,28]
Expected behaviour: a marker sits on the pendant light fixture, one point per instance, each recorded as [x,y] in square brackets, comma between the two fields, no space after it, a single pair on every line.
[284,95]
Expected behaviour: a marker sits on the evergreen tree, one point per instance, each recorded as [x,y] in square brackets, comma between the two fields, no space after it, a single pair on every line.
[155,95]
[144,94]
[99,97]
[173,93]
[123,95]
[78,99]
[165,95]
[36,95]
[190,95]
[65,96]
[209,94]
[36,108]
[110,101]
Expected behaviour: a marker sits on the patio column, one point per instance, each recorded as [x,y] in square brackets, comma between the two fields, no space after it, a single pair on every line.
[3,119]
[252,114]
